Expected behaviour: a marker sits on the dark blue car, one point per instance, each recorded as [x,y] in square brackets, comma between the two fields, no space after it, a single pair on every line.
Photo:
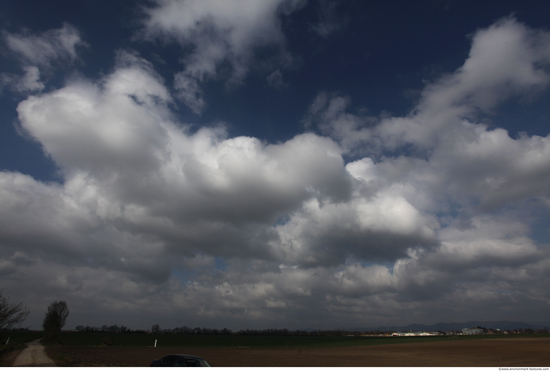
[180,360]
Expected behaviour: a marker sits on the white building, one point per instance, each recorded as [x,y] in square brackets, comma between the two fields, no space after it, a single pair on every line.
[415,334]
[472,331]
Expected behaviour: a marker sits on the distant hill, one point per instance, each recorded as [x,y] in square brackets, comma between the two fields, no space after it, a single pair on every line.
[454,326]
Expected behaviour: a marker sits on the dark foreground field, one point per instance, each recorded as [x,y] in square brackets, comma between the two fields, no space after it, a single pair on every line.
[516,352]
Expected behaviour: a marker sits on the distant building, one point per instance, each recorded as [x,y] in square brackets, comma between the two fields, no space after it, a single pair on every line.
[415,334]
[472,331]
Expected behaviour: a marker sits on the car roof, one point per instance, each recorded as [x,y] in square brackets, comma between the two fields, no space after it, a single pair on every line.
[185,355]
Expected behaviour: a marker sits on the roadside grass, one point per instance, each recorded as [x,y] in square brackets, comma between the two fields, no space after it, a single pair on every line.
[18,338]
[95,339]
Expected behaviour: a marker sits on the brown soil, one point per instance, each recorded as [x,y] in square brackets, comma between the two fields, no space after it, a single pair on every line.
[461,353]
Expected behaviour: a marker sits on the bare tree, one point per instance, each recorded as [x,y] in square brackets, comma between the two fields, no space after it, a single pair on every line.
[55,319]
[11,314]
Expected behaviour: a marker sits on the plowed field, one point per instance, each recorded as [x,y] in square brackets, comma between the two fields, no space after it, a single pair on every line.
[522,352]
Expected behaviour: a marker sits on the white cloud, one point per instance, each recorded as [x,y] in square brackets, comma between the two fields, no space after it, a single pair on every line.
[216,33]
[214,228]
[50,47]
[84,127]
[466,160]
[126,164]
[493,167]
[38,54]
[29,82]
[377,228]
[123,158]
[328,113]
[506,59]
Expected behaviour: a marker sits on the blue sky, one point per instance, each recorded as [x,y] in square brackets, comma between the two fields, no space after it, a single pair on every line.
[249,164]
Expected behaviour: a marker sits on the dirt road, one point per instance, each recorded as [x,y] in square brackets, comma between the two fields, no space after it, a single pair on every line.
[34,355]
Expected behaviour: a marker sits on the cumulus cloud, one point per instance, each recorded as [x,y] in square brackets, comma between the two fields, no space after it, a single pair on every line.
[115,139]
[506,59]
[216,33]
[466,160]
[128,165]
[223,228]
[328,114]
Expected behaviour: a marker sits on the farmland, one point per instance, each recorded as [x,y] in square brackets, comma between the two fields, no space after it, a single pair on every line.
[236,341]
[103,349]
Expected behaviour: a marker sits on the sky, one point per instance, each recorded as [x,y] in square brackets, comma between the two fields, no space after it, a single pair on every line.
[275,164]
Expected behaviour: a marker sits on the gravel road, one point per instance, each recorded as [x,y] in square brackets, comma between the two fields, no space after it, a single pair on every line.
[34,355]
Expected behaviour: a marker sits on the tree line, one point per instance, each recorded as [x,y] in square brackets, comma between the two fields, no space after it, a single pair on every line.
[185,330]
[54,320]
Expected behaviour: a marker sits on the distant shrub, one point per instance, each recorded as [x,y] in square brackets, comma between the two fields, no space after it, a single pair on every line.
[108,341]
